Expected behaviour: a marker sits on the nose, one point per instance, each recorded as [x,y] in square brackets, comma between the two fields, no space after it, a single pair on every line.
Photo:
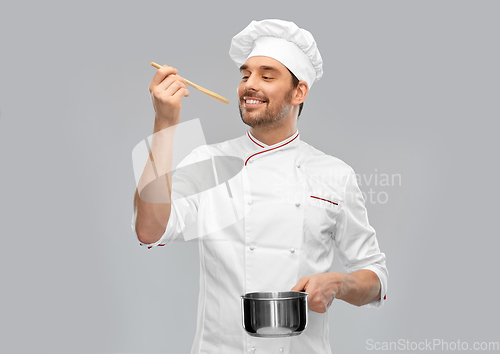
[251,84]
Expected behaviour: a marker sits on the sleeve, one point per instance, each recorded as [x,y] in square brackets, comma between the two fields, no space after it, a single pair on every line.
[185,201]
[356,240]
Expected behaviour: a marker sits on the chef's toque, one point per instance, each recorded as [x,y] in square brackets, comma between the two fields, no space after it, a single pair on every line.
[284,41]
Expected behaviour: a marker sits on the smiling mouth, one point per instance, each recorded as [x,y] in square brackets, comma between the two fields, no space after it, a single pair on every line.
[252,102]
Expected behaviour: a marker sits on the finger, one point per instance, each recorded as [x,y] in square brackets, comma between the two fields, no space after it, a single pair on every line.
[316,305]
[169,80]
[174,88]
[301,284]
[316,308]
[164,94]
[182,92]
[161,74]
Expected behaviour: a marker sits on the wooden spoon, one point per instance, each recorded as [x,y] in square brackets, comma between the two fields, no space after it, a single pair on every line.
[204,90]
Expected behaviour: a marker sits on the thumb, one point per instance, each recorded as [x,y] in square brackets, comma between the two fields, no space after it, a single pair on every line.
[301,285]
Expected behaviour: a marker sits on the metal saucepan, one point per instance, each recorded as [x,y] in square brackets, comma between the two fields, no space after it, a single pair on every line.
[274,314]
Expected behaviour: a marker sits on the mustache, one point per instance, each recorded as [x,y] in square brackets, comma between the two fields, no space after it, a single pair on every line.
[253,95]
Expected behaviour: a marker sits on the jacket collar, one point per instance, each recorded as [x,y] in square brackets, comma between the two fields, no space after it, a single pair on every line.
[256,144]
[259,149]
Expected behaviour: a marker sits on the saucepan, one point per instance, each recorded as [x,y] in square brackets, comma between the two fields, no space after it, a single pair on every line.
[274,314]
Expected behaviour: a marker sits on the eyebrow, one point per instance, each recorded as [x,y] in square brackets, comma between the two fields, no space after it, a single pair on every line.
[262,67]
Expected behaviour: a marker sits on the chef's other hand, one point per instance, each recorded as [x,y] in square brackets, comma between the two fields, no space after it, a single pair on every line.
[322,288]
[167,89]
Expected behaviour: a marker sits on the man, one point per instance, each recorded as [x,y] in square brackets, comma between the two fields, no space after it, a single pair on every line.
[298,203]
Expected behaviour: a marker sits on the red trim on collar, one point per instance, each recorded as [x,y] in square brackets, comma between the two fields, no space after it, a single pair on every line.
[271,149]
[253,140]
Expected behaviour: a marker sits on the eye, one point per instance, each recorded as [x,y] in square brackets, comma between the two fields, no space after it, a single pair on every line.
[244,78]
[267,78]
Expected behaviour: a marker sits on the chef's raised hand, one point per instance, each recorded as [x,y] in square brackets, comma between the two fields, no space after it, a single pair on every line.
[322,289]
[167,89]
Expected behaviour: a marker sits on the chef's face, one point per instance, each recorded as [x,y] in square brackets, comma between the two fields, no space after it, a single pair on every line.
[265,92]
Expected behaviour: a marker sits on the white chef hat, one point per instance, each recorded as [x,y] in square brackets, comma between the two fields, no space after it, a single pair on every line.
[284,41]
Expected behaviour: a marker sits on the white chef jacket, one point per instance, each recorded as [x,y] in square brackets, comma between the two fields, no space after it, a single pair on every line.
[291,205]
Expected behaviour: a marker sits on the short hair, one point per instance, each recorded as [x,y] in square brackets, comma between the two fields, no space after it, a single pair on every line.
[295,83]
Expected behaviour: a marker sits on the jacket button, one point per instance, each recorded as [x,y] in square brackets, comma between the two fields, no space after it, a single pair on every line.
[250,202]
[252,248]
[253,349]
[298,166]
[297,204]
[281,350]
[292,250]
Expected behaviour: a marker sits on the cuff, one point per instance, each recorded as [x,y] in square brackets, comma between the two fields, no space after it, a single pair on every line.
[163,239]
[382,276]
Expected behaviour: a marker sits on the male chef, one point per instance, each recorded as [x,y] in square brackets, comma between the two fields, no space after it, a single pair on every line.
[295,203]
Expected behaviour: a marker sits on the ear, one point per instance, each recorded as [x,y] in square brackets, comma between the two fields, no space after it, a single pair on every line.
[300,93]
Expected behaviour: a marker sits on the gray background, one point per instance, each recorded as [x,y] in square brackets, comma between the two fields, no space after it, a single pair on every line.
[410,88]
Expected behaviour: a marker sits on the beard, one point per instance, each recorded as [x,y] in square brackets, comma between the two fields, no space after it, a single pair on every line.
[269,115]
